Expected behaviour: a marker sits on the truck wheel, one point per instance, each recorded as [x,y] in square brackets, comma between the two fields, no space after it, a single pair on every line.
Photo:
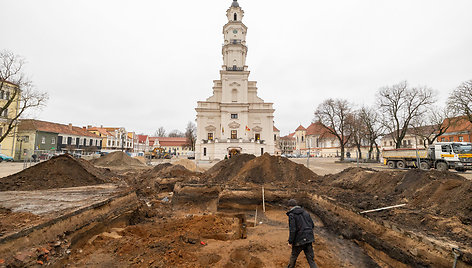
[441,166]
[391,164]
[401,164]
[424,166]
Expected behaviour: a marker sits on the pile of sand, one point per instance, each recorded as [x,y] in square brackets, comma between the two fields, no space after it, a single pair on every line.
[117,159]
[188,164]
[266,169]
[58,172]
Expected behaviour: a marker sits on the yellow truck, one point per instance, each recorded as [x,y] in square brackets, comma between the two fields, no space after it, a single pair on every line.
[441,156]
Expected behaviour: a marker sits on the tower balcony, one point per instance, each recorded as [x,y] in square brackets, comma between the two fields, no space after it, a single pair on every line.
[234,68]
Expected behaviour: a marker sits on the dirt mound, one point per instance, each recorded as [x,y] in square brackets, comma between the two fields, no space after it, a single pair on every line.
[117,159]
[58,172]
[266,169]
[188,164]
[222,171]
[441,193]
[167,170]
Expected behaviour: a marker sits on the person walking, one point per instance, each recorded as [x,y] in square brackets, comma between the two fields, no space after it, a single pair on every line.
[301,234]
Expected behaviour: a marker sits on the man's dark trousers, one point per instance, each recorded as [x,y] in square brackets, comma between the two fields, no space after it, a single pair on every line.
[309,254]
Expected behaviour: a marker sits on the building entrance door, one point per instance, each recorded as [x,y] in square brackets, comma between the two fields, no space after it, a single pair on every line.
[234,151]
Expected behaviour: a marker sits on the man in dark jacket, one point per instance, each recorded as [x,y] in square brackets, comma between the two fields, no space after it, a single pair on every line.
[301,234]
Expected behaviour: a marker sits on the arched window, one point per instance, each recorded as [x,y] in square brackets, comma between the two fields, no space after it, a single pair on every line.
[235,17]
[234,95]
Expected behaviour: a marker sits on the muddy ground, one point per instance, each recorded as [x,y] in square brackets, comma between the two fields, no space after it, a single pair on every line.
[190,218]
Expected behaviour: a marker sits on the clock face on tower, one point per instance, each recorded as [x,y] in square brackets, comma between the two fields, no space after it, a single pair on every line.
[235,31]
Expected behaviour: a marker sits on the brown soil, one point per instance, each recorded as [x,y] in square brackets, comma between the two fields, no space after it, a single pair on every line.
[58,172]
[117,159]
[438,203]
[11,221]
[188,164]
[171,242]
[246,170]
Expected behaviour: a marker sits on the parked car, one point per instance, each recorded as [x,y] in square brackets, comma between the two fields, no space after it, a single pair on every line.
[6,158]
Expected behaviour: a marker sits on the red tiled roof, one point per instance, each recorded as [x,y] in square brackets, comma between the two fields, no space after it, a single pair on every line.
[291,134]
[32,124]
[100,130]
[142,138]
[172,141]
[288,137]
[276,129]
[300,128]
[318,129]
[458,124]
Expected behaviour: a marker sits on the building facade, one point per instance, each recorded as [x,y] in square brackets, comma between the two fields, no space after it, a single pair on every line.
[41,137]
[234,120]
[8,93]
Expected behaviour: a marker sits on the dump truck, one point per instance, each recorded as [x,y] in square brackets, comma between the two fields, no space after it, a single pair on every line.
[441,156]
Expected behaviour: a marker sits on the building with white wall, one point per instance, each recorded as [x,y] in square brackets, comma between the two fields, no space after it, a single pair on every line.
[234,119]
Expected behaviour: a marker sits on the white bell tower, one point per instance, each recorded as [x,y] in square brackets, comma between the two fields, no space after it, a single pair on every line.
[234,119]
[234,49]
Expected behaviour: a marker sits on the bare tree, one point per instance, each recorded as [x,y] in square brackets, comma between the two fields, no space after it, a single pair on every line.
[358,131]
[374,129]
[434,125]
[191,135]
[400,105]
[176,133]
[460,100]
[160,132]
[17,94]
[334,115]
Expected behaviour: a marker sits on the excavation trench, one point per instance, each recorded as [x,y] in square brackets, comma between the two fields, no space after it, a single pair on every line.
[383,243]
[198,225]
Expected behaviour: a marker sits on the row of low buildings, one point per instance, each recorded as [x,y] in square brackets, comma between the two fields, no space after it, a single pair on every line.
[41,138]
[317,141]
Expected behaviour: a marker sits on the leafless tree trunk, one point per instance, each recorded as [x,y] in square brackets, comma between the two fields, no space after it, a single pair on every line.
[460,100]
[374,129]
[400,105]
[191,135]
[333,115]
[358,131]
[17,94]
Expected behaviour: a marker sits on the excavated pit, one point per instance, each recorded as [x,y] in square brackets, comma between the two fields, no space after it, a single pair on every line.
[182,218]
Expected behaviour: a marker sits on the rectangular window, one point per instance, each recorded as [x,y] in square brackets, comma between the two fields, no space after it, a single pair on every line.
[257,136]
[25,138]
[443,139]
[262,151]
[409,142]
[234,134]
[43,140]
[204,151]
[451,139]
[234,116]
[210,136]
[53,140]
[64,140]
[391,143]
[461,139]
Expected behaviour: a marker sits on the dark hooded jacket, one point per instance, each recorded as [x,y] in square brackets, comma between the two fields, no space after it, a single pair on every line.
[300,226]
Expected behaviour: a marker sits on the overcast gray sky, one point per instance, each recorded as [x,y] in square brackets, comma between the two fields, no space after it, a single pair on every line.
[144,64]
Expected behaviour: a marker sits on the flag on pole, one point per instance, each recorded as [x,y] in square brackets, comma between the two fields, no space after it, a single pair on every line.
[248,129]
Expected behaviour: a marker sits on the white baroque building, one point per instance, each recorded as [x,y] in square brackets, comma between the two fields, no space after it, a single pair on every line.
[234,120]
